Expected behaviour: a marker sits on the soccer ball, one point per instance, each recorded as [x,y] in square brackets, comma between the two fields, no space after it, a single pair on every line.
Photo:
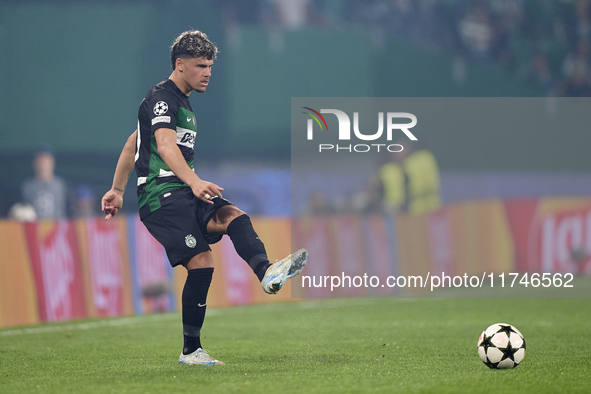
[501,346]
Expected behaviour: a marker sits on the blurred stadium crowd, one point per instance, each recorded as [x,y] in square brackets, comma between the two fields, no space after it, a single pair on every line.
[544,42]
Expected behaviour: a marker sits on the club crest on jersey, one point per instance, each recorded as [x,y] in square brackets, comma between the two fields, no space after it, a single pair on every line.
[190,241]
[160,108]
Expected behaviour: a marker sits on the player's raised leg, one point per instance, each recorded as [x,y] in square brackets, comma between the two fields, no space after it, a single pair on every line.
[237,224]
[281,271]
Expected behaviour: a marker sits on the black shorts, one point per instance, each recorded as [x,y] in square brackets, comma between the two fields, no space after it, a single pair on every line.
[180,224]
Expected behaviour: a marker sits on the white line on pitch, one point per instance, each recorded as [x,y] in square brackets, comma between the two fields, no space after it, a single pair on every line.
[90,325]
[115,322]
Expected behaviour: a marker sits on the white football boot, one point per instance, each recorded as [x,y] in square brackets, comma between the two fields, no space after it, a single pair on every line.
[281,271]
[199,357]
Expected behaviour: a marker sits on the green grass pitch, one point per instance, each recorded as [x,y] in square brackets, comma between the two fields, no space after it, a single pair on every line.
[344,345]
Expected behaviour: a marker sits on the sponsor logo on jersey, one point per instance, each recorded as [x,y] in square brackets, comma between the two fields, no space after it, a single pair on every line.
[161,119]
[188,139]
[160,108]
[185,137]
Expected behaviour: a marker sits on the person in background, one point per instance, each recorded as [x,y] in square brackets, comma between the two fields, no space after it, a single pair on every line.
[390,185]
[423,185]
[46,192]
[406,181]
[85,202]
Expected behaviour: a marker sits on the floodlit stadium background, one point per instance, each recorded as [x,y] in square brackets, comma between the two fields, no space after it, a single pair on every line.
[72,75]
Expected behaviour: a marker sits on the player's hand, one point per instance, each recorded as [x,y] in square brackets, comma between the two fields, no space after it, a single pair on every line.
[111,203]
[205,191]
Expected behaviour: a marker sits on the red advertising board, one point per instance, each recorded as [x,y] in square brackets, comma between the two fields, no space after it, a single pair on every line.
[151,271]
[316,235]
[381,250]
[441,245]
[237,274]
[551,235]
[562,242]
[18,293]
[350,255]
[106,267]
[56,268]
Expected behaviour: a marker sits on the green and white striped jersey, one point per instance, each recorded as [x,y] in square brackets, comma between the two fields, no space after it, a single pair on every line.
[165,106]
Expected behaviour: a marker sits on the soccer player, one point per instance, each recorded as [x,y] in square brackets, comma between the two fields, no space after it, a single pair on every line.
[182,211]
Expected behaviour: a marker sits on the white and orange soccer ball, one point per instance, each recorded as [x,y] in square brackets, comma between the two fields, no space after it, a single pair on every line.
[501,346]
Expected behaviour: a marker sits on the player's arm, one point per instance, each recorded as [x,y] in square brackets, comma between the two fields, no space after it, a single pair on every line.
[113,200]
[173,157]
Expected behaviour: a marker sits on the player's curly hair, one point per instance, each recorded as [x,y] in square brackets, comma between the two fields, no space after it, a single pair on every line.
[192,44]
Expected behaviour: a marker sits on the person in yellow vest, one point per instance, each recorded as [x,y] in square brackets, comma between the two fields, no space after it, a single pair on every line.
[423,186]
[393,186]
[387,186]
[409,181]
